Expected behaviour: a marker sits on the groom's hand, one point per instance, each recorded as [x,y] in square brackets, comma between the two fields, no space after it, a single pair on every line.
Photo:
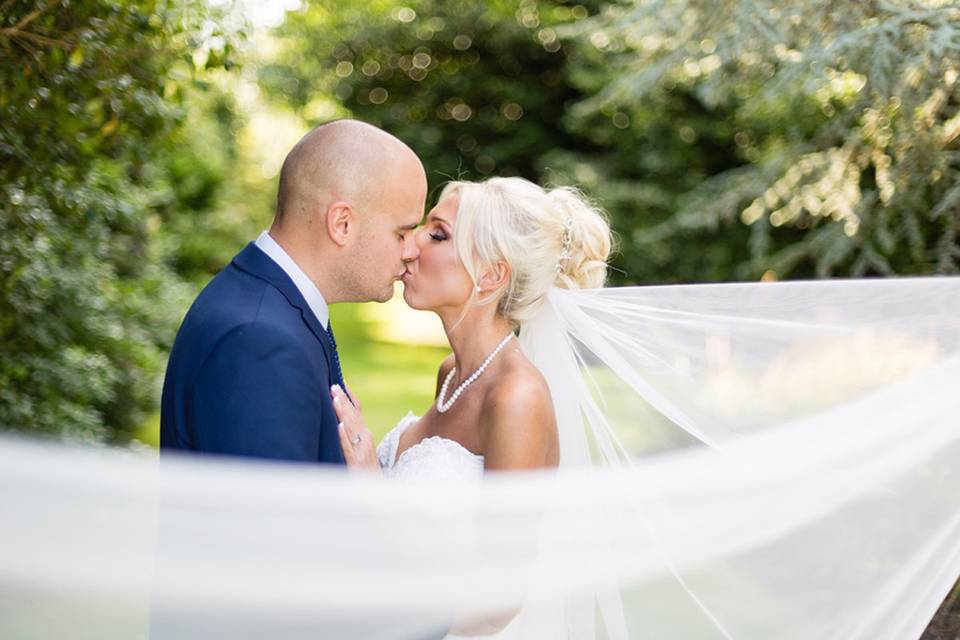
[355,438]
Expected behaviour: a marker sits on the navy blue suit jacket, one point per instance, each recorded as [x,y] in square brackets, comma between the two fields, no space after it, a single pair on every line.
[250,370]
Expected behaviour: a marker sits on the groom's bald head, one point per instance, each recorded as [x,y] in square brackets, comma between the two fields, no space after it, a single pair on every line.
[349,198]
[343,160]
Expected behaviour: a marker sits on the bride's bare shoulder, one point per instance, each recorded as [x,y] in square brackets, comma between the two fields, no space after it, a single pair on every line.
[517,381]
[519,428]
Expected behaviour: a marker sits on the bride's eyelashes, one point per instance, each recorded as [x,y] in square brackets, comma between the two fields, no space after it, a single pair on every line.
[438,236]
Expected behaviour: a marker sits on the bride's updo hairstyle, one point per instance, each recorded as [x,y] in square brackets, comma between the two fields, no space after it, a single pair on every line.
[550,238]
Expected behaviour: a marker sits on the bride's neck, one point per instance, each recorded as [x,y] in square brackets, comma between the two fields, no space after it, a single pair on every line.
[475,337]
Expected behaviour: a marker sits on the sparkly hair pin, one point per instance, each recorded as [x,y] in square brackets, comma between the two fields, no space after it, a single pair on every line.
[566,241]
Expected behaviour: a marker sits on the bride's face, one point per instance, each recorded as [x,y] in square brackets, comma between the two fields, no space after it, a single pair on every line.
[437,279]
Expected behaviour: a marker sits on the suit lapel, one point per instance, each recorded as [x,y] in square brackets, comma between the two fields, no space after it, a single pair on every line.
[258,264]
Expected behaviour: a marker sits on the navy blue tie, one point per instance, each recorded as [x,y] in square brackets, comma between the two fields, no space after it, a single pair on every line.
[338,379]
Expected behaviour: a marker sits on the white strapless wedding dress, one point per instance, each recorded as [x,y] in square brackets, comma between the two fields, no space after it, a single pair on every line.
[433,458]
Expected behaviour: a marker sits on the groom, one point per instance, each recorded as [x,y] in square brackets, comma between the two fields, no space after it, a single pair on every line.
[252,365]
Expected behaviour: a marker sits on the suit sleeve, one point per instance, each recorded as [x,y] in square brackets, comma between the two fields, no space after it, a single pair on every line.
[257,394]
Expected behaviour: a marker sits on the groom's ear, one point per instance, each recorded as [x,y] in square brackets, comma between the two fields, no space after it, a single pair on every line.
[340,221]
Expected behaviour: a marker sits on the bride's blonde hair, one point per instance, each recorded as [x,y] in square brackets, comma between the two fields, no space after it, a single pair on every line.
[550,238]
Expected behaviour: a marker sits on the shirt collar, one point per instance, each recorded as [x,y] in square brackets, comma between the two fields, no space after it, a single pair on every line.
[304,284]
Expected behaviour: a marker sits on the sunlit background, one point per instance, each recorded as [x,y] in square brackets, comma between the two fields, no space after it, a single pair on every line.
[140,144]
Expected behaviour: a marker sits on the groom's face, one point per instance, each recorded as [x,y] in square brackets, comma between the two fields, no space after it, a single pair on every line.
[387,243]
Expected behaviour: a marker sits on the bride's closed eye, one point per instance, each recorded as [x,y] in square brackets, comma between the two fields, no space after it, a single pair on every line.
[438,236]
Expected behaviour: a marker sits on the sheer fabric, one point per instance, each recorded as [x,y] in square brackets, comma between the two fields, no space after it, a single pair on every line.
[737,461]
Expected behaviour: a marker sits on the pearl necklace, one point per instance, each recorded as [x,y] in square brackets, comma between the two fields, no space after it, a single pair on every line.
[443,406]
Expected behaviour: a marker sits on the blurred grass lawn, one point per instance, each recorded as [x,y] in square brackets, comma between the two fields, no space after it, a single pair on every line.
[390,378]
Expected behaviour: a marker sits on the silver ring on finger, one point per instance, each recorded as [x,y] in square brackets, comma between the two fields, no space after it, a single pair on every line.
[357,440]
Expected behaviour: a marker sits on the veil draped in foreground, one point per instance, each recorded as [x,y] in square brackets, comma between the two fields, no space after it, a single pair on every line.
[737,461]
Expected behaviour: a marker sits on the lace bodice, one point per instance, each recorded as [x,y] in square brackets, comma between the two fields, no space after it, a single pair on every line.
[433,458]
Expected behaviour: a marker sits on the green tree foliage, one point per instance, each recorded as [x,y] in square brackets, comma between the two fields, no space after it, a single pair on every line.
[846,112]
[96,169]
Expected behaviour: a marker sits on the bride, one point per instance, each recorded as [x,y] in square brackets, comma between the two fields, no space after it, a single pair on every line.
[488,254]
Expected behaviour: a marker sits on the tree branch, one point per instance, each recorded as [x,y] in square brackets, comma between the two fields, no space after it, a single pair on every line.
[16,34]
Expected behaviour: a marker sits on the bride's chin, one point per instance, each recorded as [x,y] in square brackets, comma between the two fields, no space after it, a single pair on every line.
[411,299]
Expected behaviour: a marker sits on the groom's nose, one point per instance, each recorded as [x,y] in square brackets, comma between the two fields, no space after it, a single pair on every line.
[411,250]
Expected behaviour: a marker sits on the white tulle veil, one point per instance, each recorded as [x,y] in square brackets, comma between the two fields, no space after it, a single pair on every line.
[737,461]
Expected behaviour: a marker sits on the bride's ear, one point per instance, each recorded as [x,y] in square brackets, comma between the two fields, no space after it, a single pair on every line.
[495,277]
[339,221]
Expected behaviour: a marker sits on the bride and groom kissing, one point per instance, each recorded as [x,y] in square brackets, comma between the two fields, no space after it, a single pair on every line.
[255,371]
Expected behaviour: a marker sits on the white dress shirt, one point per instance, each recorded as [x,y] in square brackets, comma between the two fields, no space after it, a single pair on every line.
[303,283]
